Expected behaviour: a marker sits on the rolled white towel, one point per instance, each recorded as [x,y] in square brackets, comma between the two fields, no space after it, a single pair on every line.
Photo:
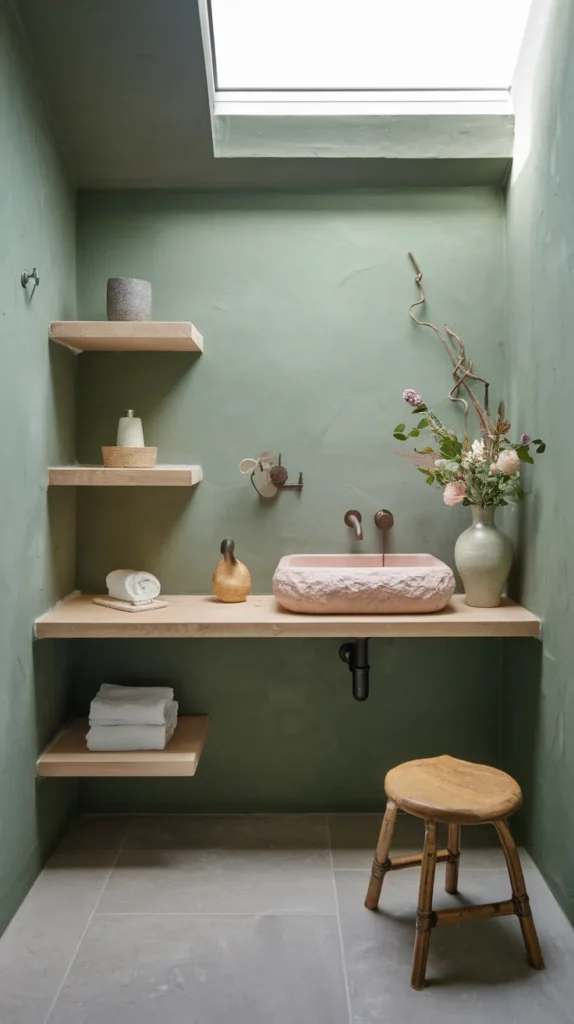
[133,586]
[131,705]
[133,737]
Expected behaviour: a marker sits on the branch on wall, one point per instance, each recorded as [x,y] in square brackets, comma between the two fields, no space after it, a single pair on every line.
[462,373]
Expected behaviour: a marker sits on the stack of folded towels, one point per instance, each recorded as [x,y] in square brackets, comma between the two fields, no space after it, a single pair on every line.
[132,718]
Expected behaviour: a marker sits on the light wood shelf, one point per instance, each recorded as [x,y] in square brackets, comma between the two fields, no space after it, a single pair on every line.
[68,755]
[127,335]
[260,616]
[102,476]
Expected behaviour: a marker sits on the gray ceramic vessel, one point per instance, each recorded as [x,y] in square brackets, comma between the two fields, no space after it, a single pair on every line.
[128,298]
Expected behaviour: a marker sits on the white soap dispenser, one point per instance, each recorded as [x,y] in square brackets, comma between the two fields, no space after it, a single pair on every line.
[130,431]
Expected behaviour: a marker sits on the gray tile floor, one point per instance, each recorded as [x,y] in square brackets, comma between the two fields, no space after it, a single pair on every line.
[260,920]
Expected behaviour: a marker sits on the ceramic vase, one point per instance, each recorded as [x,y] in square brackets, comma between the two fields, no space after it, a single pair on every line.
[128,298]
[483,557]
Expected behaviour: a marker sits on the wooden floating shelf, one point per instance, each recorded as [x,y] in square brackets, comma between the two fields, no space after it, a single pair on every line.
[102,476]
[127,335]
[69,756]
[260,616]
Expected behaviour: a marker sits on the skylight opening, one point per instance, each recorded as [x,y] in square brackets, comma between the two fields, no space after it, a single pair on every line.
[372,45]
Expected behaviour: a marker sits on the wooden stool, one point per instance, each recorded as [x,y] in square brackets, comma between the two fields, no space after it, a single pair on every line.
[444,789]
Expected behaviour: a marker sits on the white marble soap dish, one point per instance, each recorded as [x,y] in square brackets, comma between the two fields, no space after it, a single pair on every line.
[127,606]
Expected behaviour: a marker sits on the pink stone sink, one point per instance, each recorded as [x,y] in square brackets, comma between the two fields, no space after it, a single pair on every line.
[362,584]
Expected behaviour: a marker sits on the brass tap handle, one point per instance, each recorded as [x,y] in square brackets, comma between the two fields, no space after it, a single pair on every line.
[384,519]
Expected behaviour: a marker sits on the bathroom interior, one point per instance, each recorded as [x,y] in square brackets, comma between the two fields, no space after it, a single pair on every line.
[209,367]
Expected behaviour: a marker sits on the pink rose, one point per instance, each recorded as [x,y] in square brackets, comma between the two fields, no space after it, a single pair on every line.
[508,461]
[454,492]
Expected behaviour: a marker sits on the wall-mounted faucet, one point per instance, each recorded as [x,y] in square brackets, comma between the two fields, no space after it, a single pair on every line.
[354,519]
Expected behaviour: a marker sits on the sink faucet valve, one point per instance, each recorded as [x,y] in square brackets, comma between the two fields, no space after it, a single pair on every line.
[354,519]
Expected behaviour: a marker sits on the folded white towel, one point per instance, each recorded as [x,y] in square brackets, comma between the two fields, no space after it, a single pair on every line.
[130,737]
[131,705]
[132,585]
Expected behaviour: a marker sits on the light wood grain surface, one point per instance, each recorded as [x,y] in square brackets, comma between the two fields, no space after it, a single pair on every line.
[69,756]
[447,789]
[101,476]
[127,335]
[260,616]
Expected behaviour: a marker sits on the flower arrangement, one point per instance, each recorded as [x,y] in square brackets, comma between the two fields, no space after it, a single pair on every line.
[484,471]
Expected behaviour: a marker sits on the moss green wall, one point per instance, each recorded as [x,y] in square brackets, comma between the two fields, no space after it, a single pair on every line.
[36,427]
[303,303]
[539,718]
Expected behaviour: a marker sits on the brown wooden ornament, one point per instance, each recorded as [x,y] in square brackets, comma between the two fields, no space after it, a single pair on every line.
[231,579]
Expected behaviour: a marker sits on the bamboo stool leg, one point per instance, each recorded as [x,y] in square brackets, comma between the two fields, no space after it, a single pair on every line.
[424,910]
[520,896]
[381,863]
[451,876]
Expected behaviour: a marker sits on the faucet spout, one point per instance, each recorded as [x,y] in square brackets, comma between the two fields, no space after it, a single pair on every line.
[354,519]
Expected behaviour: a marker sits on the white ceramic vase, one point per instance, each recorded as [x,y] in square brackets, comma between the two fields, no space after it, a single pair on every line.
[483,557]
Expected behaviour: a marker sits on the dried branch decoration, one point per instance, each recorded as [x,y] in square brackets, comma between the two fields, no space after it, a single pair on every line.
[462,366]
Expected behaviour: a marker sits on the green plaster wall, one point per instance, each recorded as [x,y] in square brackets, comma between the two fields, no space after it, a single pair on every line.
[539,685]
[36,427]
[303,303]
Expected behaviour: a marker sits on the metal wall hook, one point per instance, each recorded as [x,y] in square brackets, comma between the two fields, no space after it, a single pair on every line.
[25,278]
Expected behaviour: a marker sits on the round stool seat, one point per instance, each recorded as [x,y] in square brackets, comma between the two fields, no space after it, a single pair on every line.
[446,789]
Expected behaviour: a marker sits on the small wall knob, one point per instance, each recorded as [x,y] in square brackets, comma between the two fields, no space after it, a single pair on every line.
[384,519]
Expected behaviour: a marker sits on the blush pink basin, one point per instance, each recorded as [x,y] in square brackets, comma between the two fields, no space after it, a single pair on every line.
[362,584]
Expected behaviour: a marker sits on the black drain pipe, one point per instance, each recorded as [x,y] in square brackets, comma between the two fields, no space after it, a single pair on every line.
[356,654]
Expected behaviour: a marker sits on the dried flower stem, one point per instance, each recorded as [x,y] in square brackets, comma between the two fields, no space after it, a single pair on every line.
[462,365]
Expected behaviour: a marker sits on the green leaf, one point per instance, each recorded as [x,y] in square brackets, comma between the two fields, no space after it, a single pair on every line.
[523,454]
[430,478]
[502,502]
[419,409]
[422,469]
[422,424]
[541,448]
[400,437]
[465,501]
[414,433]
[538,440]
[399,429]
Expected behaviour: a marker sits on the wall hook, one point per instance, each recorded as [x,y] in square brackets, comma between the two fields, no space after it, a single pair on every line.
[268,475]
[25,277]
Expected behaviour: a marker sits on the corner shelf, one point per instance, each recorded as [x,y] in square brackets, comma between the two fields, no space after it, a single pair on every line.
[102,476]
[127,335]
[195,615]
[67,756]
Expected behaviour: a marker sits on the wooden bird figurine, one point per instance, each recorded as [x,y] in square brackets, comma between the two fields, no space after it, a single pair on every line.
[231,579]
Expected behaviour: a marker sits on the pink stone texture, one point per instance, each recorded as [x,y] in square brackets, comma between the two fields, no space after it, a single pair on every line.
[363,584]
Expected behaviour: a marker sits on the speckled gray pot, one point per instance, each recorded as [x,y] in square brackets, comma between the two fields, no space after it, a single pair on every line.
[483,557]
[129,298]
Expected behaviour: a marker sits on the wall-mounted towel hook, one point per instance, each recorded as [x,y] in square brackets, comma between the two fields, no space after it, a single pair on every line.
[268,475]
[25,278]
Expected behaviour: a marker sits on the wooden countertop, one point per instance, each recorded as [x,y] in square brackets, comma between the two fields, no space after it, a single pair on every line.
[189,615]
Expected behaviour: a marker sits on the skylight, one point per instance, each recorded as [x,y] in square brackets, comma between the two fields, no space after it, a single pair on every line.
[373,45]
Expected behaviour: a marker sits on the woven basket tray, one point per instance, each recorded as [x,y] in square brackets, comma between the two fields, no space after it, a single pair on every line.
[116,457]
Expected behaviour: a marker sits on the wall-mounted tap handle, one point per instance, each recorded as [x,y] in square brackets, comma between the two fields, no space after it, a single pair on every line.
[384,519]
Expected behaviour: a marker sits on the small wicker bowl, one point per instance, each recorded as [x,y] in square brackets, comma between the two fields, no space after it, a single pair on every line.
[116,457]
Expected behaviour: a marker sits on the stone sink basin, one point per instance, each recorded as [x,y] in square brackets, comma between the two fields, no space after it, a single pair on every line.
[362,584]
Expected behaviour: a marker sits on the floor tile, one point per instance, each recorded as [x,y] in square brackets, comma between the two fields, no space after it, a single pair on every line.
[96,832]
[221,880]
[206,970]
[39,943]
[237,832]
[476,972]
